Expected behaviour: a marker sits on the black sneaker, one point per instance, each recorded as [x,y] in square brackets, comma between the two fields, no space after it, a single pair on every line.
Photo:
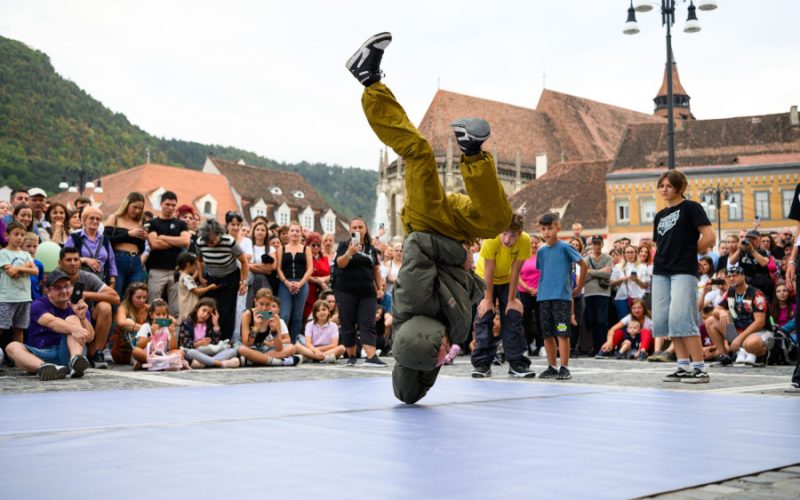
[550,372]
[618,355]
[521,372]
[77,365]
[351,361]
[49,371]
[365,64]
[482,372]
[602,355]
[98,361]
[697,376]
[374,361]
[499,359]
[470,134]
[677,375]
[563,374]
[724,360]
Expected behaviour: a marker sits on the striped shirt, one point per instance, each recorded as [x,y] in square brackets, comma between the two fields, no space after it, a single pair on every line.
[219,260]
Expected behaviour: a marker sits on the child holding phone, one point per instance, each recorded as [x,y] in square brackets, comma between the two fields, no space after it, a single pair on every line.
[162,325]
[265,336]
[322,336]
[199,332]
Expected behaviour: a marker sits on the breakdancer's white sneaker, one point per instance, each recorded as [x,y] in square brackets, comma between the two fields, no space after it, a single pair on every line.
[365,64]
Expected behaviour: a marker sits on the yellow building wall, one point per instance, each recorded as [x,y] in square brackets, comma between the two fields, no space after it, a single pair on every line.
[747,185]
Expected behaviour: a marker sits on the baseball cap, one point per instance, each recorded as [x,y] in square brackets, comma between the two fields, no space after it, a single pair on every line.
[735,269]
[597,239]
[36,192]
[54,276]
[750,234]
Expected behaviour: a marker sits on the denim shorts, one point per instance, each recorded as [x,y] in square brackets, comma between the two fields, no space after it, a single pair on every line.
[262,348]
[675,311]
[57,354]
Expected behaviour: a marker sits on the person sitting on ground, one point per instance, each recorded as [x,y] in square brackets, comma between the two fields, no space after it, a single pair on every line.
[754,261]
[199,336]
[741,320]
[57,334]
[159,310]
[631,280]
[265,336]
[781,310]
[329,297]
[321,336]
[631,346]
[619,332]
[131,314]
[16,269]
[383,329]
[189,292]
[100,298]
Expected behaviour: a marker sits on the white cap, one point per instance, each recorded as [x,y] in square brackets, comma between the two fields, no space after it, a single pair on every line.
[36,192]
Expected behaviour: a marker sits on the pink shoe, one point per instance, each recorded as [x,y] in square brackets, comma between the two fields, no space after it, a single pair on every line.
[451,356]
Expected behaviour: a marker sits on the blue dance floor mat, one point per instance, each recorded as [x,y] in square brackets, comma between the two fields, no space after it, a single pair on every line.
[350,438]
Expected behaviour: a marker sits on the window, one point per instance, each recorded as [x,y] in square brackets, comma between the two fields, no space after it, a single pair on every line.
[307,219]
[787,197]
[735,208]
[283,215]
[329,222]
[276,190]
[299,195]
[623,211]
[207,207]
[647,210]
[762,204]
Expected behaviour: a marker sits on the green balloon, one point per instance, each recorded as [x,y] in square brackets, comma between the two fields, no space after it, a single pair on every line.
[47,253]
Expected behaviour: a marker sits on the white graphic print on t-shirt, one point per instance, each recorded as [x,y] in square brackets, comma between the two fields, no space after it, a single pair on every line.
[668,222]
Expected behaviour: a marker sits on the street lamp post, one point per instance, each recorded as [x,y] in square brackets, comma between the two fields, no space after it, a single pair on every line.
[84,176]
[668,19]
[718,197]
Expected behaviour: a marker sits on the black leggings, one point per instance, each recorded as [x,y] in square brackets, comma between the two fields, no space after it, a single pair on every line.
[226,297]
[355,310]
[530,319]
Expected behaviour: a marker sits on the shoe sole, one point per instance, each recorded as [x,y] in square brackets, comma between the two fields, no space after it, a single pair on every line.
[693,380]
[80,366]
[353,63]
[561,377]
[472,134]
[375,365]
[100,366]
[522,375]
[547,377]
[481,375]
[48,373]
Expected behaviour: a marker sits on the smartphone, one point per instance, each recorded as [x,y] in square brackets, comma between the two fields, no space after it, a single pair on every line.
[77,293]
[355,238]
[633,273]
[265,315]
[162,322]
[717,281]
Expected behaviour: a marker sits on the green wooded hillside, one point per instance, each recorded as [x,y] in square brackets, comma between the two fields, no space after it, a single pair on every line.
[49,125]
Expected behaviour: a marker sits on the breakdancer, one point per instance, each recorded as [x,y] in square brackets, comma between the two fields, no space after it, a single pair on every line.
[434,291]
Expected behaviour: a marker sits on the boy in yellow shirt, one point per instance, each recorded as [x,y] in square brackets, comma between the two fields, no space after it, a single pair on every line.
[499,264]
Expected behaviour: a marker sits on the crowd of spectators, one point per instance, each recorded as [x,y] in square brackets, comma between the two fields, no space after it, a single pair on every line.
[228,293]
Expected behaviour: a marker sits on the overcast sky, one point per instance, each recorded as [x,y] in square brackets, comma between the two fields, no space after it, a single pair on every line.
[269,76]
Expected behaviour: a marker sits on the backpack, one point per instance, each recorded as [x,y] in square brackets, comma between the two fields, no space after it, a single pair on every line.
[77,242]
[783,350]
[158,356]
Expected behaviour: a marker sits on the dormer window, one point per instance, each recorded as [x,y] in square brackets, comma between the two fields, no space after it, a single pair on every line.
[299,195]
[276,190]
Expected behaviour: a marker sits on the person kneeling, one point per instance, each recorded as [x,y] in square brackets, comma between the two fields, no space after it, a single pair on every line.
[738,324]
[265,337]
[200,337]
[321,336]
[58,334]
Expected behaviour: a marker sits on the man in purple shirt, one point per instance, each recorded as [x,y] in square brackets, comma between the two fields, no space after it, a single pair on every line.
[57,334]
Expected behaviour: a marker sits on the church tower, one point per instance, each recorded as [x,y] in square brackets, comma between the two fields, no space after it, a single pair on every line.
[680,99]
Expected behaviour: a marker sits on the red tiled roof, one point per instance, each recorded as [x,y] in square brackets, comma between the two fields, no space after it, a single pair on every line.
[581,186]
[563,126]
[708,142]
[188,185]
[677,88]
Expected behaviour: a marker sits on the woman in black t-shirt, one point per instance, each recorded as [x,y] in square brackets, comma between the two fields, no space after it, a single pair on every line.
[358,286]
[681,231]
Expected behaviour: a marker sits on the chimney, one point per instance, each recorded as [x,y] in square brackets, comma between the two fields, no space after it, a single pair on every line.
[541,164]
[518,168]
[794,119]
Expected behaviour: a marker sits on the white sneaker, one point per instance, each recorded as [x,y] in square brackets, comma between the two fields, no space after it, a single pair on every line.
[750,359]
[330,359]
[741,356]
[107,355]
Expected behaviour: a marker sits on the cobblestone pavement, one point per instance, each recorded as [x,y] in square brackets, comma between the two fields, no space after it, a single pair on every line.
[753,382]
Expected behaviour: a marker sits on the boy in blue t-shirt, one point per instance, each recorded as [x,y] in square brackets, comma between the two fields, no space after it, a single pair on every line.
[30,245]
[555,262]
